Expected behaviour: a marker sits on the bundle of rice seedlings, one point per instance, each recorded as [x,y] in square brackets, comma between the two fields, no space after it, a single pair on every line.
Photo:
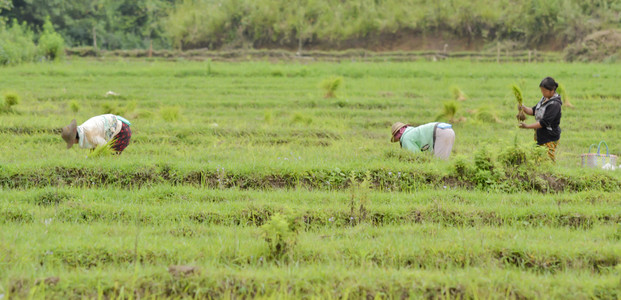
[458,95]
[170,113]
[330,85]
[103,150]
[10,99]
[563,93]
[520,100]
[486,114]
[75,107]
[449,110]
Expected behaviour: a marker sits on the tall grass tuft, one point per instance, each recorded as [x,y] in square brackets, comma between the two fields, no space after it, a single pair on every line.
[330,85]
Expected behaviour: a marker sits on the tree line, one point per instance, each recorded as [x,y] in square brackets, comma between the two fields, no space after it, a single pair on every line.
[218,24]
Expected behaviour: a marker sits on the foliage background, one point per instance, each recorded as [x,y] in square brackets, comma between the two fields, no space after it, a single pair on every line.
[323,24]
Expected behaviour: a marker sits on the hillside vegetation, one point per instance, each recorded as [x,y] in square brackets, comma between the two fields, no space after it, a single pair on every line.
[319,24]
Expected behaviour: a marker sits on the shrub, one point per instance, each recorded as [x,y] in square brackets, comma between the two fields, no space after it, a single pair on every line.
[280,233]
[51,44]
[330,86]
[462,167]
[513,156]
[16,44]
[483,159]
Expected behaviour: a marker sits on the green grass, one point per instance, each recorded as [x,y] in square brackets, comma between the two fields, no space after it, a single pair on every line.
[215,154]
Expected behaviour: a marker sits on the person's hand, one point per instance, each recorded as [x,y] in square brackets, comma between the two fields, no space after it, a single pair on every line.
[520,107]
[523,125]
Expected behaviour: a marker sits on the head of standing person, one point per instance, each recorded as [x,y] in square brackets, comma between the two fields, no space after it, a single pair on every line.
[548,87]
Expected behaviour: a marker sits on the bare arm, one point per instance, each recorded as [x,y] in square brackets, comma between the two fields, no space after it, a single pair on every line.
[530,126]
[527,110]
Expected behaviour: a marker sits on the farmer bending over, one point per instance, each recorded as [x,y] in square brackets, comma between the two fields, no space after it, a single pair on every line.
[97,131]
[548,116]
[436,137]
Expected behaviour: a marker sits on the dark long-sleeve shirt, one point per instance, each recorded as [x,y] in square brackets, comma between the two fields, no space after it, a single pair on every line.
[548,113]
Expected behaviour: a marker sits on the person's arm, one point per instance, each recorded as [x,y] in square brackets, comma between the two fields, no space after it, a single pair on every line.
[527,110]
[409,145]
[552,112]
[98,141]
[536,125]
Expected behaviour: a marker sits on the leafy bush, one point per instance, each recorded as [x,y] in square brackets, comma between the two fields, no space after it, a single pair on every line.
[51,44]
[483,159]
[280,233]
[513,156]
[16,44]
[462,167]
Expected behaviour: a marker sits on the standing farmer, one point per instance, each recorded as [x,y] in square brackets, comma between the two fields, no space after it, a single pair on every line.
[434,137]
[548,116]
[97,131]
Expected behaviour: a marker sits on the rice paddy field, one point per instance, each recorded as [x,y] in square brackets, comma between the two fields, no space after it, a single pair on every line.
[242,180]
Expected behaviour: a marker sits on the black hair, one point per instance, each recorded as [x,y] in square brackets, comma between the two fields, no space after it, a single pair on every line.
[549,84]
